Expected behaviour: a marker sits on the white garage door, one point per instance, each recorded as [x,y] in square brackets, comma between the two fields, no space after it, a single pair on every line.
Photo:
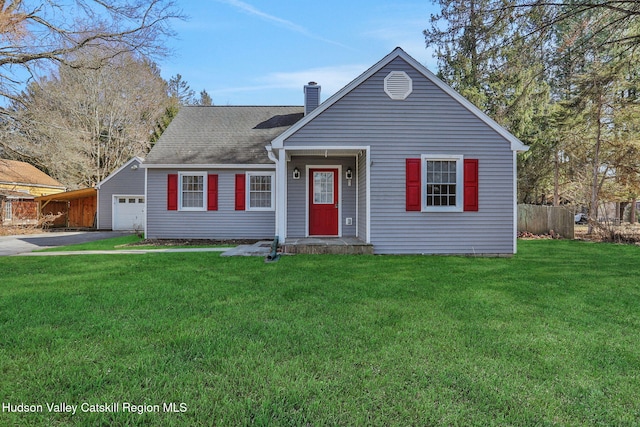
[128,213]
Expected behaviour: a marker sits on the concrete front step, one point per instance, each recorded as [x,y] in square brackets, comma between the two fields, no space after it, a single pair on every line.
[339,246]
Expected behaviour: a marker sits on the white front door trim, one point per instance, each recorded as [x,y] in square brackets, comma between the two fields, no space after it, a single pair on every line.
[282,188]
[307,196]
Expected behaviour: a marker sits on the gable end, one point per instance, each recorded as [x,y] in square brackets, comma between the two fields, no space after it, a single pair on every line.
[515,144]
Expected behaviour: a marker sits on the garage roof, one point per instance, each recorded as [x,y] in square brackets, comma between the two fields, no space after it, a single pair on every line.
[68,195]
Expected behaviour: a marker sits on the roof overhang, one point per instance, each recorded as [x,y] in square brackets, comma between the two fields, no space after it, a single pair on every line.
[183,166]
[68,195]
[26,184]
[16,195]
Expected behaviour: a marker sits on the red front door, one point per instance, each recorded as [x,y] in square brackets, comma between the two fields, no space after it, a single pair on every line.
[323,202]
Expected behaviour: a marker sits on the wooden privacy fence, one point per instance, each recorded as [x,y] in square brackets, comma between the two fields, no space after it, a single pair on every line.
[542,219]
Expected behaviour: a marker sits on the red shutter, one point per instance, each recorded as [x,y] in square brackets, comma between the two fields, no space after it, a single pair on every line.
[240,192]
[471,185]
[212,192]
[172,192]
[413,185]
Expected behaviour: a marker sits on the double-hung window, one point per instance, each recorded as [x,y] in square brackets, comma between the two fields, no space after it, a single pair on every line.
[260,191]
[192,191]
[442,184]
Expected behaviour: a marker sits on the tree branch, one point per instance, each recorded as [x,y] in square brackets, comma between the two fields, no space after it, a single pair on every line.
[51,36]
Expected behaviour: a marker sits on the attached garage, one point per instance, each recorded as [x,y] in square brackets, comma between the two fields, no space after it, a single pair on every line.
[121,199]
[128,212]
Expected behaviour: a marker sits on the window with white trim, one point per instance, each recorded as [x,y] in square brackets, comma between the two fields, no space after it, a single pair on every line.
[8,211]
[442,185]
[192,190]
[260,191]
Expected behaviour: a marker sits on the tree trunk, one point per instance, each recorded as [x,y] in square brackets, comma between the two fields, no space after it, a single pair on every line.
[593,209]
[556,179]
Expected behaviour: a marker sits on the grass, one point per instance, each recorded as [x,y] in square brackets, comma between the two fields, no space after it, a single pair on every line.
[99,245]
[549,337]
[116,243]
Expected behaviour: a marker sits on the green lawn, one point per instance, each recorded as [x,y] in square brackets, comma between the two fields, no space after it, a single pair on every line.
[100,245]
[548,337]
[123,242]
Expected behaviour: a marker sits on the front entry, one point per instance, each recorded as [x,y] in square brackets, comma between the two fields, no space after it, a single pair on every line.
[323,202]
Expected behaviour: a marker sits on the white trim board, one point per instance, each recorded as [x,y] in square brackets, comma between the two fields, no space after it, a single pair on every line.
[210,166]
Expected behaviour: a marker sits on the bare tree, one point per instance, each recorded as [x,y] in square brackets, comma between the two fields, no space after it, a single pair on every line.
[34,34]
[80,125]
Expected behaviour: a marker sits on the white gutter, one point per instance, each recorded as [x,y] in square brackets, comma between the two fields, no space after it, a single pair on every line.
[184,166]
[271,154]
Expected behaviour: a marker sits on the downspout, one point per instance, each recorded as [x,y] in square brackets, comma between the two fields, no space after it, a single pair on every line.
[273,256]
[271,154]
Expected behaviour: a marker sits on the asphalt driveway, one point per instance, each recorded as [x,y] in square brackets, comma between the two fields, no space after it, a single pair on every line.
[12,245]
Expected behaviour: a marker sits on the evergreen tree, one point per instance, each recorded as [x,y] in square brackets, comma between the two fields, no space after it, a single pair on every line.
[205,99]
[180,90]
[553,74]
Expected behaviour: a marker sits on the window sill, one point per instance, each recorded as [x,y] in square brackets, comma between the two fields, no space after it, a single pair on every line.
[260,209]
[443,209]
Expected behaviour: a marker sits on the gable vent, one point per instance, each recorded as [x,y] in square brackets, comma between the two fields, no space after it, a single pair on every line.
[398,85]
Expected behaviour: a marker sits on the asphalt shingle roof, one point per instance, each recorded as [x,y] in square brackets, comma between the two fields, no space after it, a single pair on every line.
[222,134]
[15,172]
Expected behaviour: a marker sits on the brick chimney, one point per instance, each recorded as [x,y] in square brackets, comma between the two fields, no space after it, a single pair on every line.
[311,97]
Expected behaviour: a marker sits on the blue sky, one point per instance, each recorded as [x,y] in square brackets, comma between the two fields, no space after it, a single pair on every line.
[262,52]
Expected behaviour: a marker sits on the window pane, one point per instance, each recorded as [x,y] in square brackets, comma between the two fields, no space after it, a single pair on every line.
[323,188]
[441,182]
[8,211]
[192,191]
[260,191]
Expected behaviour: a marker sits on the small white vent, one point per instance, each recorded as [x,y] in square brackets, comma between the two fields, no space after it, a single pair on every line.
[398,85]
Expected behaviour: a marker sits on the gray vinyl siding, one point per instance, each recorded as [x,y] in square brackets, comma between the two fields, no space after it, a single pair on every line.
[126,182]
[225,223]
[312,98]
[429,121]
[297,194]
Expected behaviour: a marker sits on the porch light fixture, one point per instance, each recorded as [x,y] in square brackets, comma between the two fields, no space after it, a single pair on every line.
[296,173]
[349,173]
